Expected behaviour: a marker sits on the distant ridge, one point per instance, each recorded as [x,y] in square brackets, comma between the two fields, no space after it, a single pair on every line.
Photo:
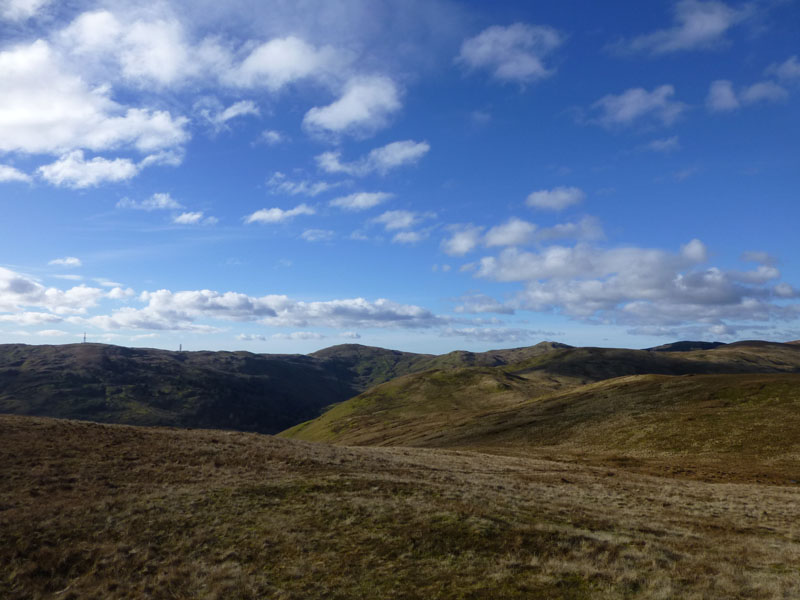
[686,346]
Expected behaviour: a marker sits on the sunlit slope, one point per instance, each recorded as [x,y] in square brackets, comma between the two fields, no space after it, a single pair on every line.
[418,407]
[728,400]
[755,415]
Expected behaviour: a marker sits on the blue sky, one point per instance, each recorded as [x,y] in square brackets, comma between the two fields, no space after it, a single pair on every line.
[281,176]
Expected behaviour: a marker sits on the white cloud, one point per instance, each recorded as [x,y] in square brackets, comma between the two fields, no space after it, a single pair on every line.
[480,303]
[587,229]
[381,160]
[279,184]
[365,106]
[20,10]
[497,335]
[45,108]
[398,219]
[722,97]
[158,201]
[788,70]
[637,105]
[19,293]
[360,201]
[71,170]
[218,117]
[107,282]
[52,333]
[194,218]
[463,240]
[282,61]
[298,336]
[515,53]
[558,198]
[698,25]
[271,137]
[317,235]
[120,293]
[277,215]
[763,91]
[409,237]
[514,232]
[167,310]
[67,261]
[8,173]
[665,145]
[249,337]
[69,277]
[760,257]
[638,286]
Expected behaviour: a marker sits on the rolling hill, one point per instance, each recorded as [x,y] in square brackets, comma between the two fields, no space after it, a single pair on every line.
[739,399]
[227,390]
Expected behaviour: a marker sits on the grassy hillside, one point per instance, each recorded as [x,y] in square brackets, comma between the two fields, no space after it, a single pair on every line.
[236,390]
[732,400]
[109,511]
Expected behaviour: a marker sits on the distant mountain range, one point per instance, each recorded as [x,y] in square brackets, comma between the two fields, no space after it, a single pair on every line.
[230,390]
[270,393]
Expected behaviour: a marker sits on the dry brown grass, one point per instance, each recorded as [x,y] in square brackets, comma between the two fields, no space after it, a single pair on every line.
[102,511]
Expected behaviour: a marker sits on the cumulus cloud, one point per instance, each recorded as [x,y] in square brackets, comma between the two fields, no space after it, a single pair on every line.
[279,184]
[47,109]
[665,145]
[277,215]
[763,91]
[194,218]
[20,293]
[72,170]
[271,137]
[558,198]
[8,173]
[167,310]
[67,261]
[21,10]
[158,201]
[282,61]
[639,286]
[515,53]
[722,97]
[380,160]
[497,335]
[317,235]
[398,219]
[464,239]
[360,200]
[587,229]
[788,70]
[514,232]
[409,237]
[698,25]
[298,336]
[365,106]
[637,105]
[218,117]
[480,303]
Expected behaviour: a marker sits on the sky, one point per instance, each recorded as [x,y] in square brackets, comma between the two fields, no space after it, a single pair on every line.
[281,176]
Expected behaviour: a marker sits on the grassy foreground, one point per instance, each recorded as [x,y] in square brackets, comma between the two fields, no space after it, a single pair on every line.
[109,511]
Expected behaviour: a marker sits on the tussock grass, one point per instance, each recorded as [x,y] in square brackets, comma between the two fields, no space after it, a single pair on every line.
[104,511]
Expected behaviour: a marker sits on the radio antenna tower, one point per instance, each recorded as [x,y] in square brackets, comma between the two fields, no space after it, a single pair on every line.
[84,337]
